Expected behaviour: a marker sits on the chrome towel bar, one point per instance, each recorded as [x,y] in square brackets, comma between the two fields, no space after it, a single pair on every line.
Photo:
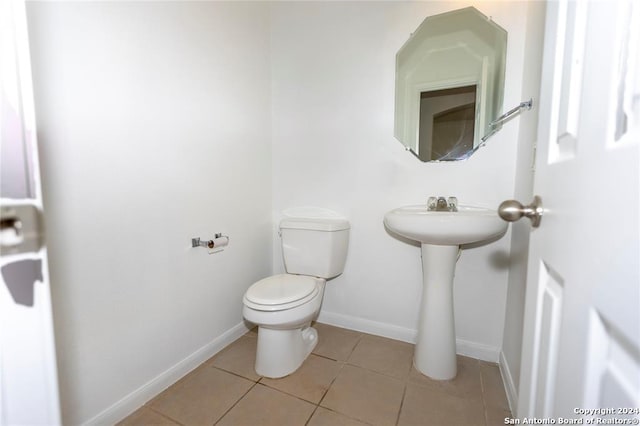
[504,117]
[526,104]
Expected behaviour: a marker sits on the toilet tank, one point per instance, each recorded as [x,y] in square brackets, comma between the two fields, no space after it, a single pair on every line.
[315,247]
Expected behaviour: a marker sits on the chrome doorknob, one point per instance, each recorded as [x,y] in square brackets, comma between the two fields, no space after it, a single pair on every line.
[512,210]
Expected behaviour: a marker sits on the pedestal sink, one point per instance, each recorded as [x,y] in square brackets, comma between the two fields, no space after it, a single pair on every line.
[440,234]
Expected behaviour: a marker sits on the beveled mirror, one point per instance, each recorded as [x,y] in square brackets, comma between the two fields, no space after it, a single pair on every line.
[449,84]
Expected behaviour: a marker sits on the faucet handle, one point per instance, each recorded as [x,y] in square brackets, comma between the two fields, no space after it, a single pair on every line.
[442,204]
[453,204]
[432,203]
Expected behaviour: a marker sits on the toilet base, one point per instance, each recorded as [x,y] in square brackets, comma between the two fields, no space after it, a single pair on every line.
[281,352]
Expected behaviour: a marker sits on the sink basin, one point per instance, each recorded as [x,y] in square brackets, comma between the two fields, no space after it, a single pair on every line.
[467,225]
[441,233]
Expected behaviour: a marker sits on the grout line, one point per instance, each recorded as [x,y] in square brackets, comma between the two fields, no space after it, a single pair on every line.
[362,335]
[355,346]
[345,415]
[236,403]
[484,400]
[287,393]
[309,419]
[325,357]
[379,372]
[236,374]
[342,364]
[404,393]
[161,414]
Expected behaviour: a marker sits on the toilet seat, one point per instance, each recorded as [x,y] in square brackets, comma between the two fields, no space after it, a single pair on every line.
[280,292]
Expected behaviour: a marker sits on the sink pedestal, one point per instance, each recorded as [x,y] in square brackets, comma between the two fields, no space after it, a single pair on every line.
[435,351]
[441,233]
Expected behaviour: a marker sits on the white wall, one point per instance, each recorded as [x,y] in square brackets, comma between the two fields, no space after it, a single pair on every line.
[333,70]
[154,127]
[164,121]
[514,314]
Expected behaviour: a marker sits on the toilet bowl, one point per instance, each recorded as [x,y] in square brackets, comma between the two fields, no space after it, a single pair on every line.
[284,305]
[285,337]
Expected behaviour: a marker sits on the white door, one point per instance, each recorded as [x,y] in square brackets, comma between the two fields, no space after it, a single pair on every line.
[581,344]
[28,379]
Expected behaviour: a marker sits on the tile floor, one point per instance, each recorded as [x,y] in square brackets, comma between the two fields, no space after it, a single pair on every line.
[351,378]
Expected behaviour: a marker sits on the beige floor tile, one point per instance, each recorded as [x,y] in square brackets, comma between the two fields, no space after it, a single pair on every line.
[377,386]
[239,357]
[427,406]
[493,387]
[146,416]
[335,342]
[324,417]
[466,384]
[264,406]
[203,397]
[365,395]
[310,381]
[496,416]
[383,355]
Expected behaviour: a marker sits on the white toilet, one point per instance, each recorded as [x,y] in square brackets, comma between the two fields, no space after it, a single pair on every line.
[284,305]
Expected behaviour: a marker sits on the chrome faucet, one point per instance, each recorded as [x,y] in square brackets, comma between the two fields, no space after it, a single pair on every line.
[441,204]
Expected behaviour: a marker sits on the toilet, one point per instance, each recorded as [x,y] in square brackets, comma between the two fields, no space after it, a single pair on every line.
[283,306]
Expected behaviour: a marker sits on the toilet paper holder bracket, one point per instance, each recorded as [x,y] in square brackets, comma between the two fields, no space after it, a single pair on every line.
[198,242]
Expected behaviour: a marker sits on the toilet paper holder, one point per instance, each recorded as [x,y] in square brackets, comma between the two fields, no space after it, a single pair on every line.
[197,242]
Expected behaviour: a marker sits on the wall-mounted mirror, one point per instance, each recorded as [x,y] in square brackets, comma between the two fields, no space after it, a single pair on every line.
[449,84]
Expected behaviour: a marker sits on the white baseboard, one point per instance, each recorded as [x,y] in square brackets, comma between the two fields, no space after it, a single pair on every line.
[146,392]
[368,326]
[509,386]
[464,347]
[477,350]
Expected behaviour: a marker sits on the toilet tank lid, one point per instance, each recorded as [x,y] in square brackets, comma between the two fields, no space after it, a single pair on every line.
[315,224]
